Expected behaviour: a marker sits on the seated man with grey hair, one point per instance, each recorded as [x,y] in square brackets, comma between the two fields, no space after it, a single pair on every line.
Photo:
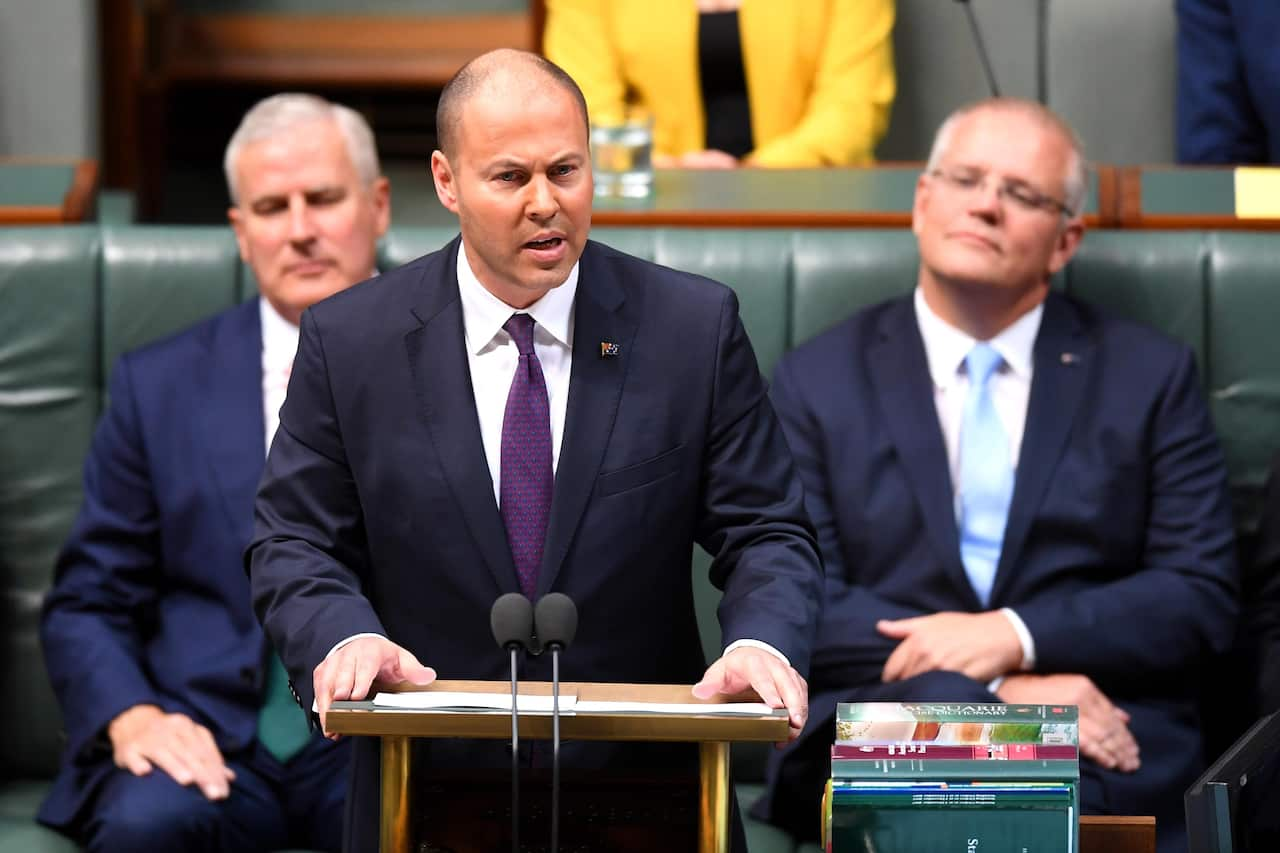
[1018,497]
[182,732]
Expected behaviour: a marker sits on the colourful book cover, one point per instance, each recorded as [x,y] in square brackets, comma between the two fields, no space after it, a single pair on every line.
[976,752]
[956,723]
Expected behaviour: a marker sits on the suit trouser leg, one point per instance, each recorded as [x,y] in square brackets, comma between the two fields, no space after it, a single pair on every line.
[153,812]
[270,806]
[314,794]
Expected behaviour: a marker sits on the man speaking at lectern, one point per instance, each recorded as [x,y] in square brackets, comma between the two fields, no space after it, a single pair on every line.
[526,410]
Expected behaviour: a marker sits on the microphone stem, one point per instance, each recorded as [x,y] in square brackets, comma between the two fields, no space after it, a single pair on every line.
[982,50]
[555,748]
[515,760]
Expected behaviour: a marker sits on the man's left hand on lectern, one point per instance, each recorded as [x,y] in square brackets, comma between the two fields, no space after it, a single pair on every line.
[349,671]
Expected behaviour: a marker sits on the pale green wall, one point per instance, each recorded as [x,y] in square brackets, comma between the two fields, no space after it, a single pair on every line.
[48,78]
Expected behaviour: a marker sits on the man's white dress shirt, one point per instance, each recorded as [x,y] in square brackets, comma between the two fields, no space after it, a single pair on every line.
[945,347]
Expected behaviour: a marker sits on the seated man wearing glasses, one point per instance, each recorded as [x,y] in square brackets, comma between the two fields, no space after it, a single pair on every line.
[1018,498]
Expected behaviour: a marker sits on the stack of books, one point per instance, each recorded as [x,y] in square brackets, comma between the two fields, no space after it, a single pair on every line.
[970,778]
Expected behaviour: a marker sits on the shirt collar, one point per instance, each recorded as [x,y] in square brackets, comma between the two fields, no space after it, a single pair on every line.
[279,336]
[484,314]
[945,346]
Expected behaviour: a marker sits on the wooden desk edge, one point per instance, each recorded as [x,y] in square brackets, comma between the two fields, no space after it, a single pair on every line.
[31,215]
[1200,222]
[766,218]
[76,204]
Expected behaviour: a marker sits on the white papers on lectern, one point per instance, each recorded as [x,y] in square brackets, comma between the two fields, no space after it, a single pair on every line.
[440,700]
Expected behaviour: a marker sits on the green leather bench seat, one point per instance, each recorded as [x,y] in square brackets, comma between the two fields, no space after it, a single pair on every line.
[73,298]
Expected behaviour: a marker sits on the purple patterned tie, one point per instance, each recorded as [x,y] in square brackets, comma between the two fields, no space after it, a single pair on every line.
[525,479]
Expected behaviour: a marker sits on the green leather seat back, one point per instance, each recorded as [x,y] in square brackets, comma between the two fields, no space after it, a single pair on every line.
[1156,278]
[1243,346]
[49,392]
[838,272]
[158,280]
[72,299]
[754,263]
[402,245]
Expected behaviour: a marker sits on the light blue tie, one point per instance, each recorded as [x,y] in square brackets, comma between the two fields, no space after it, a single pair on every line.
[986,475]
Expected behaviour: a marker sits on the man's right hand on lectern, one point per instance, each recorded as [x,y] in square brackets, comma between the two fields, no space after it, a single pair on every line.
[351,668]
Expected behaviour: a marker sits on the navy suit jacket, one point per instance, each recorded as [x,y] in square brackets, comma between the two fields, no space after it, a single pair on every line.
[377,512]
[1118,553]
[149,603]
[1228,103]
[1262,601]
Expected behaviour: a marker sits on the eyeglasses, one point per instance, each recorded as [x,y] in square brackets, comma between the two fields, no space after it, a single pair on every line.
[966,182]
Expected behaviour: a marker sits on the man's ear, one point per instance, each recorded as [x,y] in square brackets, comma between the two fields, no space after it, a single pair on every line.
[1068,241]
[918,203]
[381,194]
[446,186]
[236,217]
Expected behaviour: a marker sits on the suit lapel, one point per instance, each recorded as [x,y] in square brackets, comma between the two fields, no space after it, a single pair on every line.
[1063,361]
[595,387]
[442,380]
[229,390]
[904,389]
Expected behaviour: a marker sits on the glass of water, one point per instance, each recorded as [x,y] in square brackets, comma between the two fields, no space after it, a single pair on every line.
[622,158]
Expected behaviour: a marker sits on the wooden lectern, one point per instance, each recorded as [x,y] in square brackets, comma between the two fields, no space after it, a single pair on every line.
[712,732]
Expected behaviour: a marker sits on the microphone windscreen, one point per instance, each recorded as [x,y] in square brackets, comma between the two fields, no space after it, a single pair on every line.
[511,619]
[556,619]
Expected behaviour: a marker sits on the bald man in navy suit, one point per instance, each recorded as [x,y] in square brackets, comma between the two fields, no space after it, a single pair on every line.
[398,501]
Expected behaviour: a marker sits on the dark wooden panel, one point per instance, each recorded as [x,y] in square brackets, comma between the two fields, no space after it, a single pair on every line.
[337,50]
[1117,834]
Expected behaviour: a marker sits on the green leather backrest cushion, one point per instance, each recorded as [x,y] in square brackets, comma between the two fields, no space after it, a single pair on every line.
[49,396]
[159,280]
[72,299]
[1243,353]
[1157,278]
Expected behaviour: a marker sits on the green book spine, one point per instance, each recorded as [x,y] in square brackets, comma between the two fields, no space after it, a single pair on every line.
[952,800]
[906,830]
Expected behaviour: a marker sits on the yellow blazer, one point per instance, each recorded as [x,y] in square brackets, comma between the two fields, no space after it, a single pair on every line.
[819,72]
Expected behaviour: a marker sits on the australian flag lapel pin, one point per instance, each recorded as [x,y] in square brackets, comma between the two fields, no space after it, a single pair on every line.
[608,349]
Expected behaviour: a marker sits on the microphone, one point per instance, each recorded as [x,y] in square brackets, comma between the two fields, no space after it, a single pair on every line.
[556,619]
[511,619]
[982,48]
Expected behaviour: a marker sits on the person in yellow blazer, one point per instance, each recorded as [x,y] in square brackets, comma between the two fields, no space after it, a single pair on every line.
[819,73]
